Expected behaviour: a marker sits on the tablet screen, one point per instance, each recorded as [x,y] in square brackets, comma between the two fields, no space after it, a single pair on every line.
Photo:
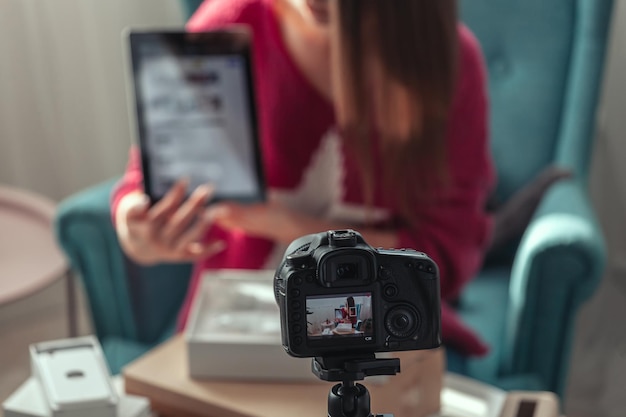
[195,113]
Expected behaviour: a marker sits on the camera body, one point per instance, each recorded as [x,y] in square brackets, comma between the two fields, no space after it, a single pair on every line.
[338,295]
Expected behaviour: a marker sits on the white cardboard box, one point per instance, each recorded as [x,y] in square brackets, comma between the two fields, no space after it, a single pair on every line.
[465,397]
[28,401]
[234,330]
[70,378]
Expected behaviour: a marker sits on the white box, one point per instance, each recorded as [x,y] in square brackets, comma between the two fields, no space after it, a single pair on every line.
[28,401]
[465,397]
[234,330]
[74,378]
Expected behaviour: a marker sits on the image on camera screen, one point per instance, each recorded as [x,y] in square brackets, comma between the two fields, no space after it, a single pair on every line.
[338,316]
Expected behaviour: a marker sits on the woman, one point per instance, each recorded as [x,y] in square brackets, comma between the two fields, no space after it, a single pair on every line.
[373,117]
[348,312]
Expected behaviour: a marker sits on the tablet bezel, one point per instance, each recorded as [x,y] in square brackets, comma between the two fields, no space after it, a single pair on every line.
[234,40]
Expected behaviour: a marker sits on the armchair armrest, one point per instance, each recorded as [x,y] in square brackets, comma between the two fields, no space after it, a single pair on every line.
[127,301]
[85,232]
[557,267]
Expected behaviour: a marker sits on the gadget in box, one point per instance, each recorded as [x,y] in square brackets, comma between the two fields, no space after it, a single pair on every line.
[338,295]
[74,377]
[193,103]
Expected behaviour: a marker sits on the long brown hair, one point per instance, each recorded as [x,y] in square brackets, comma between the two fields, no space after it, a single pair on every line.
[394,73]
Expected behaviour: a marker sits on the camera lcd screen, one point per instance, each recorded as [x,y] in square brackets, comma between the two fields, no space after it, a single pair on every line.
[195,112]
[339,316]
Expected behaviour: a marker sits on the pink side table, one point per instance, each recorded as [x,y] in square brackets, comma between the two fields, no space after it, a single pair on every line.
[30,259]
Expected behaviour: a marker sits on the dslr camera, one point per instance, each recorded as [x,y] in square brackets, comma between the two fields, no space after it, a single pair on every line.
[338,295]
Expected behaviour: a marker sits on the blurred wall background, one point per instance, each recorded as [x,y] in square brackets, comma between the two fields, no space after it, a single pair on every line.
[64,126]
[608,182]
[63,114]
[598,371]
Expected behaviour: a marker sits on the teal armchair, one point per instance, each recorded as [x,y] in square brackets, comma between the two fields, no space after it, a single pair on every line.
[545,61]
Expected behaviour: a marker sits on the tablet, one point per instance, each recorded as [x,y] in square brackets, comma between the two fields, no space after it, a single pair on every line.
[194,111]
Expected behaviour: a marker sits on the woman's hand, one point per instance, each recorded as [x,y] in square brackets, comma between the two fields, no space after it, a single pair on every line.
[271,220]
[170,231]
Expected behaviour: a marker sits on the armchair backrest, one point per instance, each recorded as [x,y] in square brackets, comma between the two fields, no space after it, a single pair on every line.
[545,60]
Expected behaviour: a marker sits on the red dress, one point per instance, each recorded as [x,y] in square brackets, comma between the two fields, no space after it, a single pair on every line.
[306,164]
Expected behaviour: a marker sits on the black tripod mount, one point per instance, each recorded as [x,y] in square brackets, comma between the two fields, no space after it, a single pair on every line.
[349,399]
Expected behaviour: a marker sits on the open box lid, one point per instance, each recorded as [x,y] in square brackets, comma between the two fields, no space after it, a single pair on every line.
[235,306]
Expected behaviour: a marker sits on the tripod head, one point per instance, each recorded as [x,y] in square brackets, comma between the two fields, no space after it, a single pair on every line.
[349,399]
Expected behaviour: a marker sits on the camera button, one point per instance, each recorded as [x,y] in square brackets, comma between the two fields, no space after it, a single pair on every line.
[296,305]
[298,280]
[295,292]
[385,273]
[296,316]
[297,340]
[391,291]
[297,328]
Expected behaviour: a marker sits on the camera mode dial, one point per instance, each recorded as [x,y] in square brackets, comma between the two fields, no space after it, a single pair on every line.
[299,259]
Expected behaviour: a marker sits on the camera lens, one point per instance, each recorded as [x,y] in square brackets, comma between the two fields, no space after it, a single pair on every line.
[402,321]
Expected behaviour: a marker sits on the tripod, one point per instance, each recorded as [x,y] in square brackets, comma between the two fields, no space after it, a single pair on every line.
[349,399]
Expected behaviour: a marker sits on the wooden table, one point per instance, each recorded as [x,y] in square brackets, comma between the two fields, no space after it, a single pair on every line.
[30,259]
[162,376]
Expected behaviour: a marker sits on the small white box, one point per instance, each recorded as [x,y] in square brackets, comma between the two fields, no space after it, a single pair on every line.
[28,401]
[234,330]
[74,378]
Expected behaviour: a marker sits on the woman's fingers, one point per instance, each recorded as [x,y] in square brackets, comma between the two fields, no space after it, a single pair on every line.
[235,216]
[138,205]
[194,233]
[170,231]
[162,210]
[185,215]
[199,250]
